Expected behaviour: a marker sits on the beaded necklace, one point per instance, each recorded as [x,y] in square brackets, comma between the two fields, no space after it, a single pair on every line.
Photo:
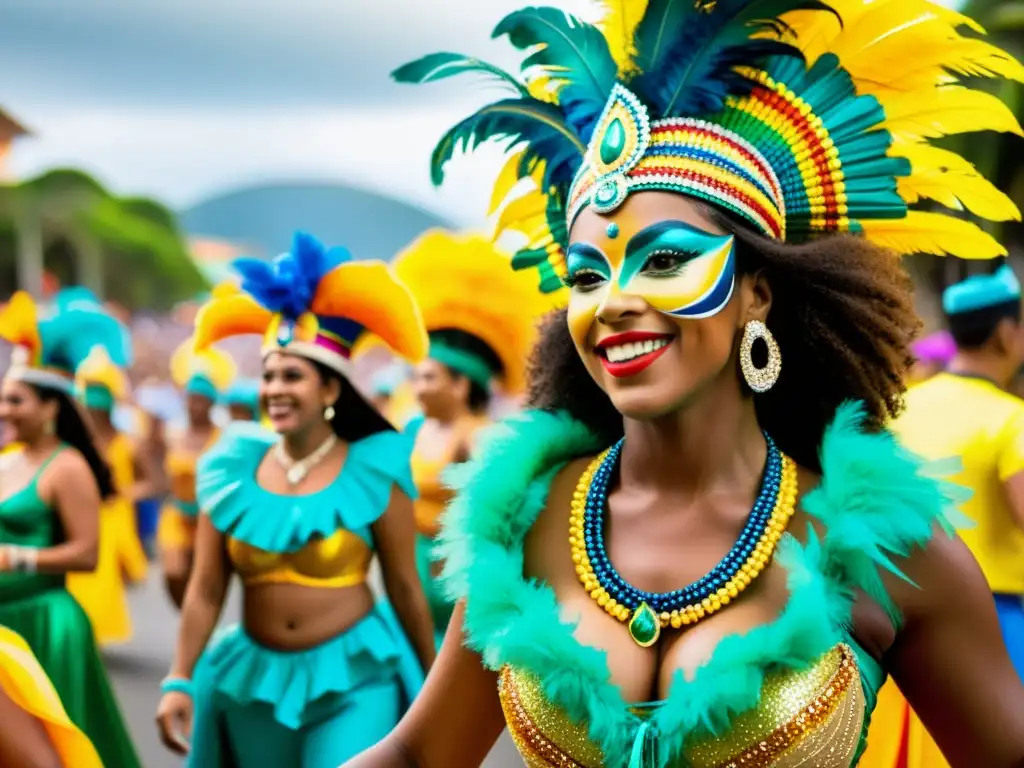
[649,612]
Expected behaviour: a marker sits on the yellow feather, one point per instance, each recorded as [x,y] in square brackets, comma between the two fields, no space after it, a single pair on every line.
[946,177]
[464,282]
[19,325]
[934,233]
[187,362]
[619,27]
[507,179]
[959,191]
[945,111]
[529,206]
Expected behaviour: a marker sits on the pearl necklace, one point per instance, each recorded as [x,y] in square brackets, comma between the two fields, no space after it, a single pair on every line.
[297,470]
[648,613]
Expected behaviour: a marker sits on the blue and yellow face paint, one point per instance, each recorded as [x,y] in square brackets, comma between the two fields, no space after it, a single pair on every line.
[675,267]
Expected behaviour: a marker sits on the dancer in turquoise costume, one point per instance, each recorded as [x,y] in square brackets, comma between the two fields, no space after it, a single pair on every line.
[243,400]
[52,485]
[318,670]
[703,548]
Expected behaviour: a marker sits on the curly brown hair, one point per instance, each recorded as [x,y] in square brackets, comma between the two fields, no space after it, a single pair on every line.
[842,313]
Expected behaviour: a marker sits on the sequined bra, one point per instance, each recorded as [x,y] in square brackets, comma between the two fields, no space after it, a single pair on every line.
[813,717]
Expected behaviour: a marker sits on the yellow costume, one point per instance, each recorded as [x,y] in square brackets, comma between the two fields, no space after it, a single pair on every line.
[121,556]
[207,373]
[25,682]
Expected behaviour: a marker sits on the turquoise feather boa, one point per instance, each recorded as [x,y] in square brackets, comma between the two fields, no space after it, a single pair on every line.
[875,502]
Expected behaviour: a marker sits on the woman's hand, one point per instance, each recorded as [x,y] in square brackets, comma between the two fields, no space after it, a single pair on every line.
[174,719]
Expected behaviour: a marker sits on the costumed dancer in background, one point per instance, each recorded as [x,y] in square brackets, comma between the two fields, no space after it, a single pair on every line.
[708,488]
[202,376]
[242,400]
[319,669]
[34,728]
[102,383]
[392,393]
[966,412]
[481,319]
[51,489]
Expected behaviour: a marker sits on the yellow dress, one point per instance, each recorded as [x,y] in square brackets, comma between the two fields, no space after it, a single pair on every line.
[102,593]
[27,685]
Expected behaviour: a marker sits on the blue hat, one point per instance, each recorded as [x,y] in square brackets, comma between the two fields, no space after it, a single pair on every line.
[981,291]
[243,392]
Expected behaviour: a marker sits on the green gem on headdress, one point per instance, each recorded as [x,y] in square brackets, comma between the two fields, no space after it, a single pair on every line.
[620,139]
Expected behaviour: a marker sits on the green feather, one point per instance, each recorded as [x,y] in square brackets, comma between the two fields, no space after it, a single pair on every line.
[566,48]
[438,66]
[515,120]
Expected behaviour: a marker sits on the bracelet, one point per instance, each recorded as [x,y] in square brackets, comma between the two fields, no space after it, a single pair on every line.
[22,559]
[176,684]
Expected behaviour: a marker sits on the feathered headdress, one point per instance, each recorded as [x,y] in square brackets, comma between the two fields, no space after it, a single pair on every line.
[49,348]
[463,283]
[314,302]
[243,392]
[207,371]
[799,116]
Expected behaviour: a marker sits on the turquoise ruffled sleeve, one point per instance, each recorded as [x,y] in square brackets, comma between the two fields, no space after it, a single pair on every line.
[238,507]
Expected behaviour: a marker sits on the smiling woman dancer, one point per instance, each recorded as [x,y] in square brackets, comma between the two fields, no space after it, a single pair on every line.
[318,670]
[202,377]
[704,549]
[481,318]
[51,488]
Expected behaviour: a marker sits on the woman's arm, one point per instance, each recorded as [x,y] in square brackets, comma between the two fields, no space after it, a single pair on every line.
[454,721]
[149,480]
[69,487]
[394,534]
[204,597]
[950,661]
[24,742]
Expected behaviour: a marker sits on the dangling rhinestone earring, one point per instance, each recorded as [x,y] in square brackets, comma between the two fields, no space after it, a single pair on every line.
[759,379]
[329,413]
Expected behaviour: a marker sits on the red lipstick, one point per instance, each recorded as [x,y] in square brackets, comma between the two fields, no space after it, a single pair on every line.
[625,368]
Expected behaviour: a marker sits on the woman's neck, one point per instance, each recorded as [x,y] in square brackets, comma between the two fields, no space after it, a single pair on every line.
[42,445]
[299,445]
[713,441]
[455,413]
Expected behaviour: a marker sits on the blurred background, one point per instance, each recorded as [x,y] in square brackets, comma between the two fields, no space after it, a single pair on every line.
[144,145]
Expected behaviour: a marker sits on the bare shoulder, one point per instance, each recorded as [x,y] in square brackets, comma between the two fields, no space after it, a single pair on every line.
[936,575]
[68,463]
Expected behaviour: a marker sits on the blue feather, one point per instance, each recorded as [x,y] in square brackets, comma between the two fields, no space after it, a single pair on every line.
[688,57]
[289,282]
[80,323]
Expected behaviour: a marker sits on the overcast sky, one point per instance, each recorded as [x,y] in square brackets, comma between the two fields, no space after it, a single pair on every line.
[181,99]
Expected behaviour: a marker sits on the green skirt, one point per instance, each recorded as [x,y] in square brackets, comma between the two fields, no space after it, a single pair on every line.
[59,634]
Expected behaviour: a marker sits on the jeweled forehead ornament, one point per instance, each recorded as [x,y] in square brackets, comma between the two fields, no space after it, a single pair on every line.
[628,153]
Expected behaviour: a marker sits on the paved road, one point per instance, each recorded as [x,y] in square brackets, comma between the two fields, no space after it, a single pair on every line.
[137,668]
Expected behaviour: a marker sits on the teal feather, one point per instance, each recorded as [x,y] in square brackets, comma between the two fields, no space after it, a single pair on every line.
[79,323]
[542,126]
[439,66]
[571,51]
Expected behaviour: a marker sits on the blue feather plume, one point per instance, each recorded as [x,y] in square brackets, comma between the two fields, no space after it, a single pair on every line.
[79,323]
[288,283]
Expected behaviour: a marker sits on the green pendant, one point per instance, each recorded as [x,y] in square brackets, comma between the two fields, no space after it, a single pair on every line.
[644,627]
[613,142]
